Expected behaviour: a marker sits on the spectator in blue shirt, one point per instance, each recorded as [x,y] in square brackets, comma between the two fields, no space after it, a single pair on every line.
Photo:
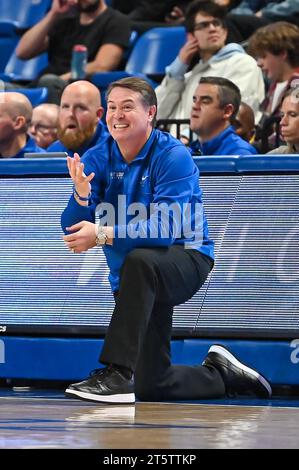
[79,126]
[15,118]
[144,185]
[216,103]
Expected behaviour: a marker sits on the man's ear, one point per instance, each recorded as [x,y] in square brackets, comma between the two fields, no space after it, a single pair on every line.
[152,111]
[100,112]
[228,110]
[19,122]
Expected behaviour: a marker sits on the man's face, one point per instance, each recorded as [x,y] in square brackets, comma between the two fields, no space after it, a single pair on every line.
[7,124]
[128,118]
[42,128]
[78,118]
[209,32]
[271,66]
[206,116]
[88,6]
[289,124]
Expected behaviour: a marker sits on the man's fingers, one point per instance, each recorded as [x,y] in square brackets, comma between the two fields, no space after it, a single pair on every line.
[75,227]
[90,177]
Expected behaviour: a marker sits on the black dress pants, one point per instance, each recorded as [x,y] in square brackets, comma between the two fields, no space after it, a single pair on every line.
[152,282]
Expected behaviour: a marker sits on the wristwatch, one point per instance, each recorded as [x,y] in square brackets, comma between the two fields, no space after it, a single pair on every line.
[101,237]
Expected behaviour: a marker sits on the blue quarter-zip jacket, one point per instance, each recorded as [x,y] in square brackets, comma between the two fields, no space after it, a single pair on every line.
[154,201]
[225,143]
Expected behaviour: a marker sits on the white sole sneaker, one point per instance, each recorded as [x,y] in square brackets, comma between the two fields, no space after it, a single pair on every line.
[230,357]
[117,398]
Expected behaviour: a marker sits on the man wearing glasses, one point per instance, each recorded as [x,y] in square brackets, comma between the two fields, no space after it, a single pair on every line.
[206,37]
[44,124]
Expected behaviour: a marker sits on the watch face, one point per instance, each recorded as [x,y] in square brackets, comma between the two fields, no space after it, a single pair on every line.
[101,238]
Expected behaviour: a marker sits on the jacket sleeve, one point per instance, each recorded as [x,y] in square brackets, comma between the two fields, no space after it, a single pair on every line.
[74,212]
[169,93]
[250,81]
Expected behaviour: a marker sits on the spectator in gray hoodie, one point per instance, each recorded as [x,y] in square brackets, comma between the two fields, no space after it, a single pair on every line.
[207,34]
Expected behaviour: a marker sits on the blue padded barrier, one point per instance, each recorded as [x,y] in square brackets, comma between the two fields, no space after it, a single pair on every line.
[36,166]
[73,359]
[231,164]
[217,164]
[268,163]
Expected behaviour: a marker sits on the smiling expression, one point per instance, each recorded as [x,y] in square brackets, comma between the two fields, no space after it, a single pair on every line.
[128,118]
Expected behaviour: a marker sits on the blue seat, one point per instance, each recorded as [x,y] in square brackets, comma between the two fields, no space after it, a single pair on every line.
[151,53]
[24,70]
[36,96]
[155,49]
[8,41]
[24,13]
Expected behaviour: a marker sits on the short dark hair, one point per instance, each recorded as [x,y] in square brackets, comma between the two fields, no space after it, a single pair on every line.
[228,92]
[206,7]
[276,38]
[139,85]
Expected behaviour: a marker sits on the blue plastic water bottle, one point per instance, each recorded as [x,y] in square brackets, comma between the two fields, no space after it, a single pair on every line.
[79,61]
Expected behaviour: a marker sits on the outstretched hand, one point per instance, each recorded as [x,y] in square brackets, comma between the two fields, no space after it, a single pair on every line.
[80,179]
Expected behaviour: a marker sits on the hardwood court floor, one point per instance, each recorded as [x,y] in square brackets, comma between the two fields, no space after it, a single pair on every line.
[46,419]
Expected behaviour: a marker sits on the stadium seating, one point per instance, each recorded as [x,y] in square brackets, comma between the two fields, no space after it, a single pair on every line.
[155,49]
[24,70]
[8,42]
[23,13]
[151,53]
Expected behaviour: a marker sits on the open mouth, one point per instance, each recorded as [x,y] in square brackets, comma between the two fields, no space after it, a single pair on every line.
[120,126]
[71,127]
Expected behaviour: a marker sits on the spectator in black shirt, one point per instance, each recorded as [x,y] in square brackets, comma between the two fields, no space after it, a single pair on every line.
[104,31]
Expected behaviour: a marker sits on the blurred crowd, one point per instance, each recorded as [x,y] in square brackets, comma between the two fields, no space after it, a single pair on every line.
[232,87]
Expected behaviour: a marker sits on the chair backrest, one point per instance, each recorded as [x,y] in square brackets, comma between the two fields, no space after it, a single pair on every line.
[25,70]
[8,42]
[24,13]
[36,96]
[155,49]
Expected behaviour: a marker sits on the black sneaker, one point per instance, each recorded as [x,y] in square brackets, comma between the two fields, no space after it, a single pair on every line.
[238,378]
[106,385]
